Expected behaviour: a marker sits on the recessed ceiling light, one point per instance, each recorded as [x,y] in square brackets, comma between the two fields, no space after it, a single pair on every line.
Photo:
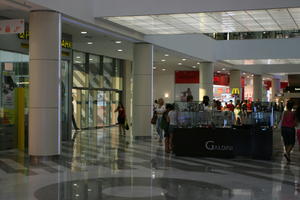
[90,43]
[252,75]
[154,67]
[77,56]
[164,69]
[183,59]
[248,76]
[218,71]
[91,59]
[83,32]
[224,69]
[228,73]
[166,54]
[118,42]
[198,63]
[194,67]
[163,60]
[244,73]
[120,50]
[179,63]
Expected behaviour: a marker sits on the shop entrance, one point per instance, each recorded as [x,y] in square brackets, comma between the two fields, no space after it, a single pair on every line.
[95,108]
[14,90]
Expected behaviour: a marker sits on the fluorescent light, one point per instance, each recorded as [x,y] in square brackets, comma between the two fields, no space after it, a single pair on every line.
[120,50]
[224,69]
[183,59]
[118,42]
[164,69]
[179,63]
[83,32]
[90,43]
[163,60]
[77,56]
[91,59]
[166,54]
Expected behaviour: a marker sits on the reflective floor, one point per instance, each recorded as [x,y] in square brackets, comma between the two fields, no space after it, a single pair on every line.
[101,165]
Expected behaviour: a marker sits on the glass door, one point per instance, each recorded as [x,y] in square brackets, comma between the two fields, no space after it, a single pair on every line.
[100,108]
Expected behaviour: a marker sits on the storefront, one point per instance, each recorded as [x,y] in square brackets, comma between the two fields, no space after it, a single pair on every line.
[97,89]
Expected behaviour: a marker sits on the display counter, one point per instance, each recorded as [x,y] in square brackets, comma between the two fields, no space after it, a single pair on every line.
[224,134]
[247,141]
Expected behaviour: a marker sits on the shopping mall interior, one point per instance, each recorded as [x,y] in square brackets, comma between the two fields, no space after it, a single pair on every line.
[144,99]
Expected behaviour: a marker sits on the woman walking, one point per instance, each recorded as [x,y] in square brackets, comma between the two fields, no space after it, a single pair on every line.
[121,118]
[160,109]
[288,123]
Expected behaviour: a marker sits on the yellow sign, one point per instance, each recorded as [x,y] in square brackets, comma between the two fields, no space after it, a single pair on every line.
[64,43]
[235,91]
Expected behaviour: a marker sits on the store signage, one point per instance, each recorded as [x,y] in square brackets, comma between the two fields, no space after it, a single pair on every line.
[235,91]
[211,146]
[64,43]
[186,77]
[221,79]
[11,26]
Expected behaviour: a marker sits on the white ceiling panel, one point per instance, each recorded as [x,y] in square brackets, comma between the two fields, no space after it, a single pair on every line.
[210,22]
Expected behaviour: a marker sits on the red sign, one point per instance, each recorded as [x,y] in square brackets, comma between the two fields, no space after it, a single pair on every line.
[186,77]
[267,84]
[283,85]
[221,79]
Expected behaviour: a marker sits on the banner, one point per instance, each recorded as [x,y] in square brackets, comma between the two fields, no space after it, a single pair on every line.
[11,26]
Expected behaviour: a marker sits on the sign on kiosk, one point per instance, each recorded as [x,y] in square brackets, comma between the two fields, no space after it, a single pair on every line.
[11,26]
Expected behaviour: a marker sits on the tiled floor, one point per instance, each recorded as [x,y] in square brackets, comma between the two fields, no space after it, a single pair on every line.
[102,165]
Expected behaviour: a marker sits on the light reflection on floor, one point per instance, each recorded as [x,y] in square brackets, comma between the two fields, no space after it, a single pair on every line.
[101,165]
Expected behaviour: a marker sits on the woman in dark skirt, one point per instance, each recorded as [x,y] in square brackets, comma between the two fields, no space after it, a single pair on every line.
[121,118]
[288,123]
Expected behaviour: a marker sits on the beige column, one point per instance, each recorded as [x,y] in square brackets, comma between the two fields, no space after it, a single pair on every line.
[142,89]
[206,80]
[44,88]
[235,81]
[257,87]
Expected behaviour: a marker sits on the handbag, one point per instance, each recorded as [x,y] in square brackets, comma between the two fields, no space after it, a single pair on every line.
[154,118]
[126,125]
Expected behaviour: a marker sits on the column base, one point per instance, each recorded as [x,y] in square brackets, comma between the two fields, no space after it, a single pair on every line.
[36,160]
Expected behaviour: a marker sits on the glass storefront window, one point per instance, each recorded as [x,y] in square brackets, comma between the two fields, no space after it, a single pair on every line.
[117,78]
[95,72]
[108,72]
[80,77]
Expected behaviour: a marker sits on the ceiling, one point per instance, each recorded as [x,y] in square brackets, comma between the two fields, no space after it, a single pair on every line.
[264,61]
[213,22]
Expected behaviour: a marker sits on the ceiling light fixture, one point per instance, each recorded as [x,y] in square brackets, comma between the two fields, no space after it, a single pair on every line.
[224,69]
[179,63]
[91,59]
[118,42]
[154,67]
[120,50]
[164,69]
[198,63]
[194,66]
[163,60]
[83,32]
[77,56]
[90,43]
[218,71]
[244,73]
[183,59]
[166,54]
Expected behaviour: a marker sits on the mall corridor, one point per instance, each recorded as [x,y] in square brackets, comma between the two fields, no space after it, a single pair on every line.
[100,164]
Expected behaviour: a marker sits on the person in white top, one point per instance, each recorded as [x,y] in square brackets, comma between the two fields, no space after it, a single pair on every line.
[160,109]
[173,121]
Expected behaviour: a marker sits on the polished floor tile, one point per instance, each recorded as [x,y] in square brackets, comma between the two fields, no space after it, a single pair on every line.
[100,164]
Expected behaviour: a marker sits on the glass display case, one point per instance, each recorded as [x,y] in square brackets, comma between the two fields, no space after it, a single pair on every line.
[196,114]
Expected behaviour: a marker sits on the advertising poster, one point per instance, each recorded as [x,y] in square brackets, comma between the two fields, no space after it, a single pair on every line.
[186,86]
[8,98]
